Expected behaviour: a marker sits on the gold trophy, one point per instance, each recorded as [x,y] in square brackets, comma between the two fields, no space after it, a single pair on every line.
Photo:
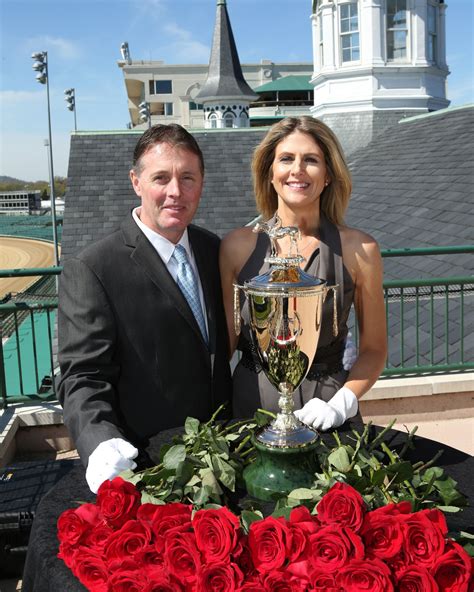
[285,308]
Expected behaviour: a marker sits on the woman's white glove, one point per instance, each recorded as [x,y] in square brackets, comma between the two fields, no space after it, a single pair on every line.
[350,353]
[323,416]
[108,460]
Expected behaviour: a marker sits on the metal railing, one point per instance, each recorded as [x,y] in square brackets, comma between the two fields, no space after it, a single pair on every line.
[426,321]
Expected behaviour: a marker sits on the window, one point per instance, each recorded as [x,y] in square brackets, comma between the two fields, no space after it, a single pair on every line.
[228,120]
[349,27]
[163,87]
[168,108]
[194,106]
[397,30]
[213,120]
[432,34]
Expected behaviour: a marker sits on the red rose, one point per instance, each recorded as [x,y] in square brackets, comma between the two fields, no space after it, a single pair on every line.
[149,556]
[71,528]
[128,580]
[383,534]
[424,541]
[97,538]
[91,570]
[220,577]
[129,540]
[332,547]
[269,542]
[342,505]
[302,517]
[216,533]
[252,585]
[242,556]
[416,579]
[282,581]
[182,557]
[118,501]
[160,581]
[365,575]
[67,553]
[453,570]
[395,509]
[168,519]
[324,582]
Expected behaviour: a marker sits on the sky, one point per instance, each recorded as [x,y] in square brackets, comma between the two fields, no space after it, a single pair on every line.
[83,38]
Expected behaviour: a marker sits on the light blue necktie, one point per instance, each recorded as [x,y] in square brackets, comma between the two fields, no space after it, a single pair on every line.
[187,283]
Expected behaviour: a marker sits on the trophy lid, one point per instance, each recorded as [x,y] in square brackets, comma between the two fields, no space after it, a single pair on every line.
[282,279]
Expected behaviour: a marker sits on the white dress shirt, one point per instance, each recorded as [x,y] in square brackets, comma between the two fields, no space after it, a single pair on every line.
[165,250]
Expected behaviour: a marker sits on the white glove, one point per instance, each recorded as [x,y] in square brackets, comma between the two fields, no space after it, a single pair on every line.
[108,460]
[322,416]
[350,353]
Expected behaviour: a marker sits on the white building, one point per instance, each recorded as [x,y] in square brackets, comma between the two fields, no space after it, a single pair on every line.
[19,202]
[379,54]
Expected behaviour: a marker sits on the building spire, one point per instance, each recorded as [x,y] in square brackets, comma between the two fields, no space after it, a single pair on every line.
[225,78]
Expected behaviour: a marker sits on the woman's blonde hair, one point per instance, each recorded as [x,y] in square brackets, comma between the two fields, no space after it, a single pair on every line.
[334,198]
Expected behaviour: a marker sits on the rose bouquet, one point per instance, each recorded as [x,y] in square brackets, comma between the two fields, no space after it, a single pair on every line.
[120,544]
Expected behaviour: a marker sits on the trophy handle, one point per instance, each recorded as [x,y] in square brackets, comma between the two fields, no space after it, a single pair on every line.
[335,325]
[237,320]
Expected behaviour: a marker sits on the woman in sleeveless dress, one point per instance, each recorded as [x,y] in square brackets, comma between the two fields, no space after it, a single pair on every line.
[301,176]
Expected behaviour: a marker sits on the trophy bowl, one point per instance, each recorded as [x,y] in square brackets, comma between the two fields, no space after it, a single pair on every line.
[285,312]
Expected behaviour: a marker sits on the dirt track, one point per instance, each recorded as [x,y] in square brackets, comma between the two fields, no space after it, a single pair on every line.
[17,253]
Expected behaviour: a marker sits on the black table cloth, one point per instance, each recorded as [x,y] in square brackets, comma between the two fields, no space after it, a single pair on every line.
[44,572]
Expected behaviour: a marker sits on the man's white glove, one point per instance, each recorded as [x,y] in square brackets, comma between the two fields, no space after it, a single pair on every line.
[323,416]
[108,460]
[350,353]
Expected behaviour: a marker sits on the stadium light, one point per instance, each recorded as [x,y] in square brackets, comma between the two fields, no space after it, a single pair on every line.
[41,66]
[70,98]
[144,112]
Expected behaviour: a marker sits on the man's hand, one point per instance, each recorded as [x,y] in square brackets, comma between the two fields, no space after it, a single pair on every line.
[108,460]
[350,353]
[323,416]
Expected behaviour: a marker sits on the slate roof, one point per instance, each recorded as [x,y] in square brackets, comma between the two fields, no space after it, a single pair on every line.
[225,78]
[413,186]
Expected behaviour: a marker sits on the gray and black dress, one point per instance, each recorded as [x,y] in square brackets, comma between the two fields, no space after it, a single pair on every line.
[326,375]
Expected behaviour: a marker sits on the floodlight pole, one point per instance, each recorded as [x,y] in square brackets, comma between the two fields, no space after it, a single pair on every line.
[51,171]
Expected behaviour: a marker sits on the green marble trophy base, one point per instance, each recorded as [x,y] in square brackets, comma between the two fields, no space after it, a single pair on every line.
[278,470]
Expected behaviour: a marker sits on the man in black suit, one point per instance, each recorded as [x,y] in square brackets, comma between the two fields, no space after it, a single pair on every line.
[137,353]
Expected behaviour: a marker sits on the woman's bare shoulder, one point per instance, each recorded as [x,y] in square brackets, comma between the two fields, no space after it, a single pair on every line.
[237,245]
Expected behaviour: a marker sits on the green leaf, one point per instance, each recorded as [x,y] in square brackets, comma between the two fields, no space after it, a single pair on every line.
[302,494]
[147,498]
[174,456]
[378,477]
[340,459]
[184,473]
[202,496]
[224,472]
[435,472]
[191,426]
[449,509]
[283,511]
[247,517]
[130,476]
[400,471]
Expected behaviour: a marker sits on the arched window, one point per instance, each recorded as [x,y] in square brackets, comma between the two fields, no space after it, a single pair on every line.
[228,120]
[213,120]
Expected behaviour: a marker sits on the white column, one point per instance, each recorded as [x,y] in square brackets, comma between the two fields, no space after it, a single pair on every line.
[315,37]
[442,36]
[371,32]
[328,14]
[418,34]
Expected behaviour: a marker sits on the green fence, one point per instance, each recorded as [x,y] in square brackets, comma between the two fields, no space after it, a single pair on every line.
[430,323]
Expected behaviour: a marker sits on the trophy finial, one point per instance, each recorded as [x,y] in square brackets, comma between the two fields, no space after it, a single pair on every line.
[276,231]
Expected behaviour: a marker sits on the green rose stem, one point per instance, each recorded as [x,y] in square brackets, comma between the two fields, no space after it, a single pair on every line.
[381,434]
[409,442]
[393,460]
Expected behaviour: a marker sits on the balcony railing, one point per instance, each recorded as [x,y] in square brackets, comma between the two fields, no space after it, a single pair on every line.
[426,320]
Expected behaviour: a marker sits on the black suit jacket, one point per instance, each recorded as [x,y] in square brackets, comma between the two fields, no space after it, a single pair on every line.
[132,358]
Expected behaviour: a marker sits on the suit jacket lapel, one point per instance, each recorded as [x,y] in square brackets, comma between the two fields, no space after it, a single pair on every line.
[144,255]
